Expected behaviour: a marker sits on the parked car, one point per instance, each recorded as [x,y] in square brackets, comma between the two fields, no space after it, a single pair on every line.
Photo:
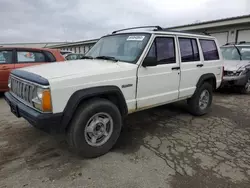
[237,66]
[124,72]
[13,58]
[74,56]
[65,53]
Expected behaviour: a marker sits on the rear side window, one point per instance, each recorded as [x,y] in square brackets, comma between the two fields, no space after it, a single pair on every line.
[209,49]
[189,50]
[30,57]
[5,57]
[50,56]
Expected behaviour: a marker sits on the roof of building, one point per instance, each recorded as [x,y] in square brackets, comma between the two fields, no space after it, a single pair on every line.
[69,44]
[243,18]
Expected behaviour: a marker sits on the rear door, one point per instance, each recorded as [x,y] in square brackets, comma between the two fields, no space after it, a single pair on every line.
[26,57]
[191,65]
[6,65]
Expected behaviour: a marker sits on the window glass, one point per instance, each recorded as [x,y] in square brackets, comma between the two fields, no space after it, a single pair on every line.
[26,56]
[123,47]
[209,50]
[5,57]
[236,53]
[189,50]
[72,57]
[50,56]
[163,49]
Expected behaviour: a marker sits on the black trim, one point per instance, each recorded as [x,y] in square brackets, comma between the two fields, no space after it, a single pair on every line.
[81,95]
[47,122]
[205,77]
[30,77]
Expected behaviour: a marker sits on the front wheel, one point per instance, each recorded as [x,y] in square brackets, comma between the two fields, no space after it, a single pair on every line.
[95,128]
[246,88]
[200,102]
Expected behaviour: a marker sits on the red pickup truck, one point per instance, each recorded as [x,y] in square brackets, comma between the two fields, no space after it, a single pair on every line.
[15,57]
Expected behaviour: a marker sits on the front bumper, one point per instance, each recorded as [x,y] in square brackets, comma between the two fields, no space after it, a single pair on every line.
[45,121]
[234,81]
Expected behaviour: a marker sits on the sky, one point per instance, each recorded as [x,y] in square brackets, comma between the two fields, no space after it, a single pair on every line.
[74,20]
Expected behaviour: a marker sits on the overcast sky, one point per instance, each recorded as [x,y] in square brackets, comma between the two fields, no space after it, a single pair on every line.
[72,20]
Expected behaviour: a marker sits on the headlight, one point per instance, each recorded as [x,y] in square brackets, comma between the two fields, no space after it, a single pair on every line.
[242,70]
[42,100]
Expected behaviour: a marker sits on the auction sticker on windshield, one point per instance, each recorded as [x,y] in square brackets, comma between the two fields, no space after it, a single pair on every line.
[137,38]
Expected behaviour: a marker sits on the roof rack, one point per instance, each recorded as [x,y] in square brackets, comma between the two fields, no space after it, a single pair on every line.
[156,28]
[176,31]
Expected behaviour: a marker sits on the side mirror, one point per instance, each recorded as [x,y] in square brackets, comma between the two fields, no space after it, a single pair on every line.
[149,62]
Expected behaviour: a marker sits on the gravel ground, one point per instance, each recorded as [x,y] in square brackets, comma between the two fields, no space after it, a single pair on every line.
[158,148]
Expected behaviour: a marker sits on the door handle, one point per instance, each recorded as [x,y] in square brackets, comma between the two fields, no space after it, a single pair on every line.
[199,65]
[175,68]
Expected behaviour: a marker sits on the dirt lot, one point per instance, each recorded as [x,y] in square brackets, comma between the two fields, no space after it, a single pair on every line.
[162,147]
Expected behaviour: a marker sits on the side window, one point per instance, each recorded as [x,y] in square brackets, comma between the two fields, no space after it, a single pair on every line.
[30,57]
[209,50]
[50,56]
[163,49]
[189,50]
[5,57]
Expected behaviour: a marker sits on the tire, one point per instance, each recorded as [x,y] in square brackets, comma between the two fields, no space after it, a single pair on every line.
[91,116]
[246,88]
[194,102]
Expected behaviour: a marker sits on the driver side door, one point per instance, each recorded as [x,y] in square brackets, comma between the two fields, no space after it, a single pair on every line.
[159,84]
[6,65]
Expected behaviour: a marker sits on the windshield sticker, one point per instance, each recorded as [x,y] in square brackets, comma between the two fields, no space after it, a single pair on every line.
[137,38]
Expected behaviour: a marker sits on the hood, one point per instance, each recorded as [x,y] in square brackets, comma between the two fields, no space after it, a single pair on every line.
[85,66]
[233,65]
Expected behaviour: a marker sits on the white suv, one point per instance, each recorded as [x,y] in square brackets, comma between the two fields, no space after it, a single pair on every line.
[124,72]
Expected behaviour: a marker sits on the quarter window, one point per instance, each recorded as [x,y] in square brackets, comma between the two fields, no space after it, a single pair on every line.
[30,57]
[189,50]
[163,49]
[209,50]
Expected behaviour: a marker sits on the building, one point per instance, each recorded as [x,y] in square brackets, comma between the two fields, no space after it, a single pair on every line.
[226,30]
[77,47]
[32,45]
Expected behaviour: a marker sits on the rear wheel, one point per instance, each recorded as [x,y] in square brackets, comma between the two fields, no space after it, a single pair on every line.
[95,128]
[200,102]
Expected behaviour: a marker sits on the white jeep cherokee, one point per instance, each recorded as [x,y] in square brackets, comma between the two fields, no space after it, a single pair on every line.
[124,72]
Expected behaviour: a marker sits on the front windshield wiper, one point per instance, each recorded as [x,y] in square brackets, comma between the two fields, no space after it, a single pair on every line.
[86,57]
[238,51]
[107,58]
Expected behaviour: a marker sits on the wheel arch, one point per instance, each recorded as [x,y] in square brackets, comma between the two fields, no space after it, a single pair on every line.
[209,77]
[112,93]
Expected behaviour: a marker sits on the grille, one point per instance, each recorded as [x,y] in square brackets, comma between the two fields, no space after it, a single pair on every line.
[22,90]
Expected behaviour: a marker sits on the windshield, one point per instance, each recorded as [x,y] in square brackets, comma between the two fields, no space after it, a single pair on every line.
[122,47]
[231,53]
